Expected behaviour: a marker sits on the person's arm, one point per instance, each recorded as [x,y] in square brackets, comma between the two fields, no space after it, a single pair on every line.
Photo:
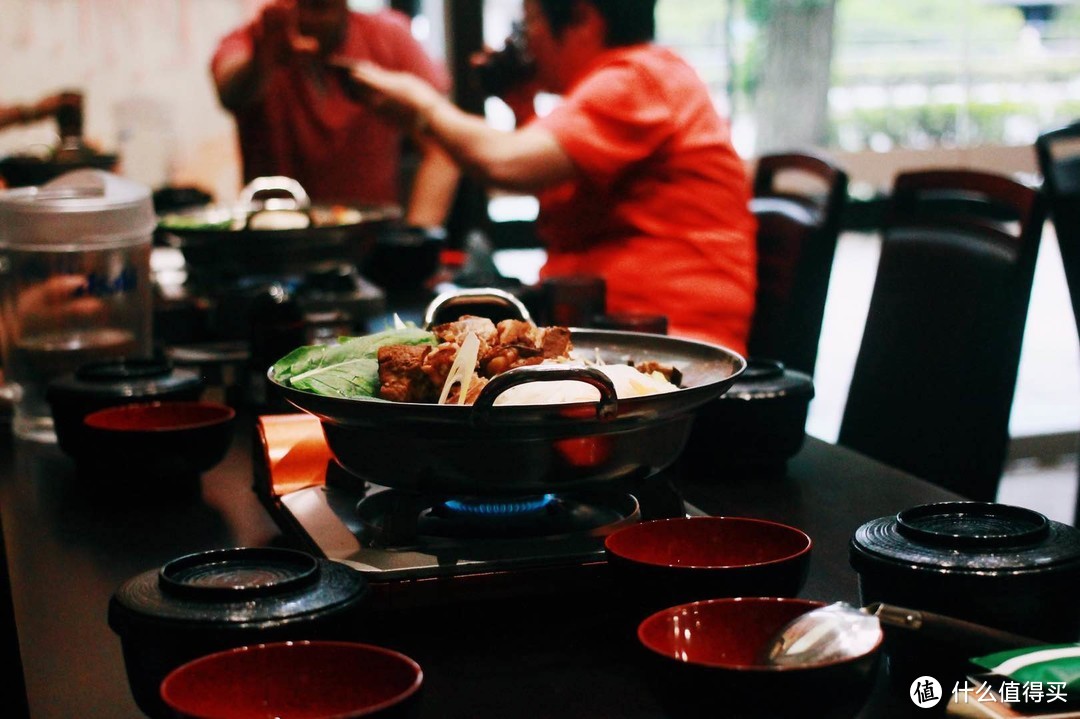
[434,187]
[11,115]
[525,160]
[241,68]
[24,114]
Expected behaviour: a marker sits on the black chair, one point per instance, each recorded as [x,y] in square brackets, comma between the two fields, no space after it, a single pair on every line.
[13,689]
[935,375]
[1058,152]
[798,201]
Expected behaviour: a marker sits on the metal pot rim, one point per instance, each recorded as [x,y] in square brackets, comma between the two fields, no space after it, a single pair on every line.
[708,370]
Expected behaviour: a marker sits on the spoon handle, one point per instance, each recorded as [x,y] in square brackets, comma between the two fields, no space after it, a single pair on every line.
[976,638]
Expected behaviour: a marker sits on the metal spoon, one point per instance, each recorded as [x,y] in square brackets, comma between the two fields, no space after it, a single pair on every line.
[840,631]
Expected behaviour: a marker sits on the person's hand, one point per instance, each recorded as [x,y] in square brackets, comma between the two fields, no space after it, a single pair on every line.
[277,33]
[401,97]
[56,301]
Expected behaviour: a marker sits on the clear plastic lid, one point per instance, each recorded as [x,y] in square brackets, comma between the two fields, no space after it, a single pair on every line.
[79,210]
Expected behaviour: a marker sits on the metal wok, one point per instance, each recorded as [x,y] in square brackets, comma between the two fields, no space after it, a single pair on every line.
[249,238]
[489,451]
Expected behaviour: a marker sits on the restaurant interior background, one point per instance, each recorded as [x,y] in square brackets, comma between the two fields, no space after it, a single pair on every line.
[879,85]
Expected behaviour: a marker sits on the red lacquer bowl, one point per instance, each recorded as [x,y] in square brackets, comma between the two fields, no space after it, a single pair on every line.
[294,680]
[665,562]
[155,446]
[709,654]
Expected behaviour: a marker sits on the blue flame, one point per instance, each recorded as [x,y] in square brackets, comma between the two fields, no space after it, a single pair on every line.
[497,508]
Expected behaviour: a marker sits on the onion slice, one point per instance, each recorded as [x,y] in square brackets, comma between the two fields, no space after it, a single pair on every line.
[463,368]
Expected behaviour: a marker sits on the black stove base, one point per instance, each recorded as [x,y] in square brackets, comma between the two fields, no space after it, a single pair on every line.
[411,559]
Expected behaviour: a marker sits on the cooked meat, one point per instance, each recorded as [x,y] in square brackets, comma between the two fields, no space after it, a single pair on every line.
[503,357]
[516,332]
[417,374]
[672,374]
[401,373]
[555,341]
[456,331]
[523,343]
[437,366]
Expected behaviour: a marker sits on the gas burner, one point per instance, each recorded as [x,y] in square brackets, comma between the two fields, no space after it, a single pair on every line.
[394,519]
[422,550]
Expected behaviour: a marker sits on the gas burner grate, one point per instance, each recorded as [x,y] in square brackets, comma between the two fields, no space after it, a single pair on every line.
[396,519]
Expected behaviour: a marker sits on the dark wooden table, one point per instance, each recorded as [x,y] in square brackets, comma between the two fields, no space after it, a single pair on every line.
[70,547]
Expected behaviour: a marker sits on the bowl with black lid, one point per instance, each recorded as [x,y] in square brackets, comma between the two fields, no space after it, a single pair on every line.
[210,601]
[994,564]
[756,426]
[99,385]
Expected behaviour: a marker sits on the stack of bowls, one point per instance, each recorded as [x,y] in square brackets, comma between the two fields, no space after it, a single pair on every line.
[99,385]
[707,596]
[139,427]
[208,602]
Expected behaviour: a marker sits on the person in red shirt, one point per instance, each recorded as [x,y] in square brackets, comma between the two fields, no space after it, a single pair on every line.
[635,171]
[284,78]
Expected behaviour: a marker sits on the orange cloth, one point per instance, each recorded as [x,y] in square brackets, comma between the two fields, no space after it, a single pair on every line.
[306,126]
[662,208]
[295,452]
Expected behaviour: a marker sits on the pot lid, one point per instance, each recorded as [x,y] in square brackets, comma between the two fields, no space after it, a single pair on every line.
[132,377]
[236,589]
[967,537]
[769,379]
[82,208]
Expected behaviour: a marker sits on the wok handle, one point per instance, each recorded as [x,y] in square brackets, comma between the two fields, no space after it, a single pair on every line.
[479,295]
[275,183]
[607,408]
[975,638]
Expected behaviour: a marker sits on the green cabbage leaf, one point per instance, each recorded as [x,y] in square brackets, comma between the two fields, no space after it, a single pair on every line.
[349,368]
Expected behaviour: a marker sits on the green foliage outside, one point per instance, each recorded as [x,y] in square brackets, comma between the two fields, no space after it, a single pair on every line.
[886,44]
[942,125]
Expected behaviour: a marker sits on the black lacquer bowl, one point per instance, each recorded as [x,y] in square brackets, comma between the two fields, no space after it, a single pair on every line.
[994,564]
[756,426]
[211,601]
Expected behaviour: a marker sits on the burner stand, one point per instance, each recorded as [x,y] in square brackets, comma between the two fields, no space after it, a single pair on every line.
[399,520]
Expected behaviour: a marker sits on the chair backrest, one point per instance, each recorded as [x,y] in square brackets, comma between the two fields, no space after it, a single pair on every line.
[13,688]
[798,201]
[934,379]
[1058,153]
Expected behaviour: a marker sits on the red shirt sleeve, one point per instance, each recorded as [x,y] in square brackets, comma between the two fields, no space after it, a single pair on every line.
[613,119]
[236,43]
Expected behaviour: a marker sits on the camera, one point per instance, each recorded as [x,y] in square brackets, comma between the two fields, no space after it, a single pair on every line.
[504,68]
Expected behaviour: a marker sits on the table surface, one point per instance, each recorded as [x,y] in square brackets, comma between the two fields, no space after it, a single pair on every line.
[69,548]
